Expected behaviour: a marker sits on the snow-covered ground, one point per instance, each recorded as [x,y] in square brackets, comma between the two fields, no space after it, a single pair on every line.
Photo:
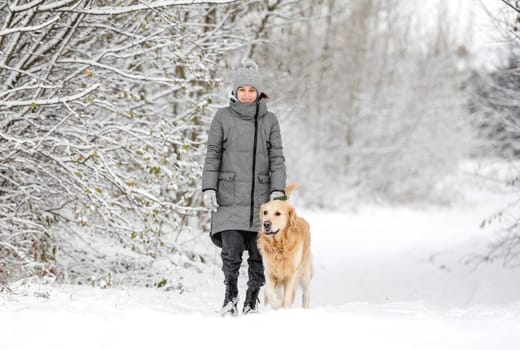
[385,278]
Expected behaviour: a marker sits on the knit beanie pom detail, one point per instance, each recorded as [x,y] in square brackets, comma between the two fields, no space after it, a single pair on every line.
[249,64]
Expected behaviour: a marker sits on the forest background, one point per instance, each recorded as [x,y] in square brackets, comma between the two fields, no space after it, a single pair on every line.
[105,106]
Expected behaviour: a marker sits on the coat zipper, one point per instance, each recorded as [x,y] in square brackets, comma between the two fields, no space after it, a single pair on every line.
[252,208]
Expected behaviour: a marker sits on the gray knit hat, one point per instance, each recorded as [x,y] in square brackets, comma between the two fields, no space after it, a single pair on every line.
[248,74]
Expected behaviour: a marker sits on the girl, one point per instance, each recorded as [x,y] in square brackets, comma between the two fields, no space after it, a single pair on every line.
[244,168]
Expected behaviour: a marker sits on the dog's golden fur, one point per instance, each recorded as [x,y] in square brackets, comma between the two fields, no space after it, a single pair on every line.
[286,253]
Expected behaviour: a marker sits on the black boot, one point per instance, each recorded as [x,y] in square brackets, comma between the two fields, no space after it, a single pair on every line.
[250,304]
[229,307]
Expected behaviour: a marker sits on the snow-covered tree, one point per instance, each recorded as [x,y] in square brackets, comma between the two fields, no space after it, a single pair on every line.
[498,98]
[371,96]
[102,111]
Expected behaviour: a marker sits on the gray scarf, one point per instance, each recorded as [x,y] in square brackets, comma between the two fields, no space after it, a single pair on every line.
[247,110]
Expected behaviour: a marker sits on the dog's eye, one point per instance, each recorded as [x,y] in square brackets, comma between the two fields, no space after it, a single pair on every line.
[265,212]
[277,213]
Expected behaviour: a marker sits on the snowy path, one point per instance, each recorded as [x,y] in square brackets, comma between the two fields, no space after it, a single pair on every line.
[398,255]
[385,279]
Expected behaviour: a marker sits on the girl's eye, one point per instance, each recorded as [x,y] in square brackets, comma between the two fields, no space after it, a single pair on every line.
[277,213]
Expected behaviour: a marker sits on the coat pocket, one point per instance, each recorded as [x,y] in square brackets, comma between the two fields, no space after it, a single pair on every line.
[226,189]
[264,188]
[264,179]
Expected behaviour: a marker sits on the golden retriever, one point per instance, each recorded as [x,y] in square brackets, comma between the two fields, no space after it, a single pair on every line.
[285,243]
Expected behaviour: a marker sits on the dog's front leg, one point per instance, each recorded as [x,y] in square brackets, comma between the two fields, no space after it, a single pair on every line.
[305,280]
[289,292]
[271,294]
[306,297]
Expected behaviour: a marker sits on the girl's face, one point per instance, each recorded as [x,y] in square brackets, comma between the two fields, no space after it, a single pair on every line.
[247,94]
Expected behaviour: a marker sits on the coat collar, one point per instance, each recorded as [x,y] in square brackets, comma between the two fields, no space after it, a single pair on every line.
[247,110]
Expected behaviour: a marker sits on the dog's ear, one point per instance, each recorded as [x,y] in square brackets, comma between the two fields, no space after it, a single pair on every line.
[292,217]
[261,212]
[290,188]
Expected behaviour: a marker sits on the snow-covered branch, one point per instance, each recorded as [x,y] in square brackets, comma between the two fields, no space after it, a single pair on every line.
[123,74]
[145,5]
[20,8]
[30,28]
[50,101]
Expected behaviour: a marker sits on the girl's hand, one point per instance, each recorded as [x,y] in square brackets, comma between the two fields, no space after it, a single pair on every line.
[210,200]
[277,195]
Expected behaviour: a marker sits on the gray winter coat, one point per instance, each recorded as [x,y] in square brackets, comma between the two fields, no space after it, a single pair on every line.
[244,164]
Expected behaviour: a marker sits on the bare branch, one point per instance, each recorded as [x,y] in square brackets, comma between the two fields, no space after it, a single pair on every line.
[508,3]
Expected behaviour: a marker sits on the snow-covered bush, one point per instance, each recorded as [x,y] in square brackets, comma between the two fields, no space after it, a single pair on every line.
[498,99]
[102,116]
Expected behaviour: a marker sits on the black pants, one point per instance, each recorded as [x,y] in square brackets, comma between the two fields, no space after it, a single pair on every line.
[233,245]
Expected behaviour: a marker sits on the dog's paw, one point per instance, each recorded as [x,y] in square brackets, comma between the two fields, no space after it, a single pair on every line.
[276,303]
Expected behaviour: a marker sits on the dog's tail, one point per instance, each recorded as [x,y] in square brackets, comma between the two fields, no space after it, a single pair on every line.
[290,188]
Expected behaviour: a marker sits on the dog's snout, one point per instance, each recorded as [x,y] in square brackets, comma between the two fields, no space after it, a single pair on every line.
[267,225]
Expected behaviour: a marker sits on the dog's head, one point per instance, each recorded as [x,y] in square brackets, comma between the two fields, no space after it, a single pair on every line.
[277,215]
